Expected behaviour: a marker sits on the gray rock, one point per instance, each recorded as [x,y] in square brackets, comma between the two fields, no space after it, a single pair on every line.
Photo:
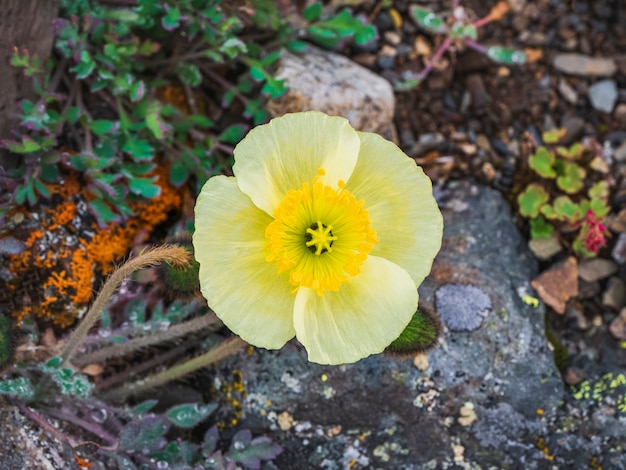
[579,64]
[545,248]
[603,95]
[595,269]
[475,403]
[325,81]
[462,307]
[614,294]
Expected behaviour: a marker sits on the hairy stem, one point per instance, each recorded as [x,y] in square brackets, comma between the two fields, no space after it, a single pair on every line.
[225,349]
[170,253]
[157,337]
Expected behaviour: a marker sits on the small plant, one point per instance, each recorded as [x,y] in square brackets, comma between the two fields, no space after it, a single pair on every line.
[572,196]
[460,31]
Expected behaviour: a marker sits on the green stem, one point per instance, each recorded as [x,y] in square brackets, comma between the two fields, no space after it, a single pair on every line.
[170,253]
[225,349]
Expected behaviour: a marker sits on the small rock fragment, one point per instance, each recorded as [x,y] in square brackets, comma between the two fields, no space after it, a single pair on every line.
[558,284]
[595,269]
[619,154]
[603,95]
[579,64]
[614,294]
[568,92]
[285,421]
[545,248]
[467,414]
[618,326]
[462,307]
[619,250]
[421,361]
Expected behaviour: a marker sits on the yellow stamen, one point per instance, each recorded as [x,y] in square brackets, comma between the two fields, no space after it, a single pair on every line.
[320,235]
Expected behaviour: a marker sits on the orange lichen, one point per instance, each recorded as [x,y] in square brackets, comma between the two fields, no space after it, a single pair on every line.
[54,275]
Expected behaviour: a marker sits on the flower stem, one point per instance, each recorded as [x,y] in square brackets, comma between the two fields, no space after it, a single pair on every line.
[170,253]
[134,344]
[225,349]
[431,63]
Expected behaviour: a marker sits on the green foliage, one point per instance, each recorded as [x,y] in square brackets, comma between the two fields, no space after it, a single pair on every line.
[571,197]
[135,85]
[19,388]
[421,334]
[461,31]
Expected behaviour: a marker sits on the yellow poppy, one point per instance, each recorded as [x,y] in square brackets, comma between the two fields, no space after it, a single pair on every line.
[324,233]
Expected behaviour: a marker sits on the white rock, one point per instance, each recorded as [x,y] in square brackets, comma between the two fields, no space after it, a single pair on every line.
[603,95]
[325,81]
[579,64]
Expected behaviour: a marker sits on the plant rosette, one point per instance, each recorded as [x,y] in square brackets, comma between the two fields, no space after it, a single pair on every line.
[324,233]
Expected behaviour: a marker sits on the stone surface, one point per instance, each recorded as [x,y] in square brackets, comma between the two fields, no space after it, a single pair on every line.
[595,269]
[618,326]
[325,81]
[545,248]
[462,307]
[476,401]
[614,294]
[603,95]
[579,64]
[558,284]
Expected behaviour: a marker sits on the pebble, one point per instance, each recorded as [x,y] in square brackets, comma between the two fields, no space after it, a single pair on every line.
[619,154]
[558,284]
[620,113]
[618,222]
[614,294]
[595,269]
[574,127]
[545,248]
[603,95]
[567,91]
[579,64]
[618,326]
[619,250]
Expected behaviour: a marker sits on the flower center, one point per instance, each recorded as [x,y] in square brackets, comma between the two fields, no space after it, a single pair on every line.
[320,235]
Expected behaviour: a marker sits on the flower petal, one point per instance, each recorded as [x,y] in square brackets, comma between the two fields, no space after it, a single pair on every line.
[399,199]
[245,291]
[281,155]
[360,319]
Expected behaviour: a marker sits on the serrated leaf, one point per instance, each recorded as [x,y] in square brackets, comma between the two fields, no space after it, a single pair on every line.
[189,74]
[566,209]
[572,153]
[549,212]
[542,162]
[599,207]
[103,212]
[531,200]
[572,178]
[189,414]
[599,190]
[20,388]
[144,187]
[27,145]
[146,435]
[540,228]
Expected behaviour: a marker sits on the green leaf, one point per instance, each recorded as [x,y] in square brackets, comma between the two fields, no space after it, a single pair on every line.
[571,153]
[143,408]
[72,114]
[296,46]
[19,388]
[549,212]
[312,12]
[189,414]
[103,212]
[250,452]
[101,126]
[233,134]
[566,209]
[138,149]
[147,435]
[189,74]
[427,19]
[553,135]
[506,55]
[171,21]
[179,173]
[531,200]
[210,440]
[599,207]
[542,162]
[599,190]
[540,228]
[421,334]
[137,91]
[144,187]
[28,145]
[572,178]
[154,121]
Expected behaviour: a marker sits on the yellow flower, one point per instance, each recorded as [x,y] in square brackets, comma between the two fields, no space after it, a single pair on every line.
[324,233]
